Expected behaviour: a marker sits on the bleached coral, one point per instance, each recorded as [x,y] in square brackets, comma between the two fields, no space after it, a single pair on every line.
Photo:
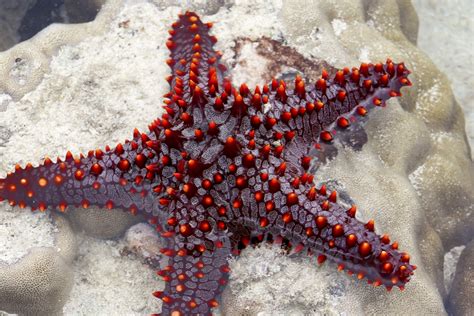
[23,66]
[40,282]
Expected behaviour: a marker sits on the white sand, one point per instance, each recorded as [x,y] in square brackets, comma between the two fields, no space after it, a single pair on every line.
[21,230]
[447,35]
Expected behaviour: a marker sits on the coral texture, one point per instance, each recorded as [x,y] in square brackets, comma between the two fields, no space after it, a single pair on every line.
[194,175]
[22,67]
[40,283]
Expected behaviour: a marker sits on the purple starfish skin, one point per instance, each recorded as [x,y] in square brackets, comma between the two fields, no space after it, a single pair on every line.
[224,167]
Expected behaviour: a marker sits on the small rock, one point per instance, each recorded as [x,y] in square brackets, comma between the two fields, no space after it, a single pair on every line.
[143,241]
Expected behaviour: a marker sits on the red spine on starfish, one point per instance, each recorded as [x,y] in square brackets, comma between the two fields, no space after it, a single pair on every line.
[220,159]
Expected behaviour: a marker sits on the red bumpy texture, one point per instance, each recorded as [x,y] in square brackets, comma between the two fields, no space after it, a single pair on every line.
[227,166]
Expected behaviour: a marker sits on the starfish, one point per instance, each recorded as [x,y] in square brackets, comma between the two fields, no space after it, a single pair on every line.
[225,167]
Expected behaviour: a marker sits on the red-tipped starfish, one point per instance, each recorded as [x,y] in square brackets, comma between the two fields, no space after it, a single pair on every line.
[225,166]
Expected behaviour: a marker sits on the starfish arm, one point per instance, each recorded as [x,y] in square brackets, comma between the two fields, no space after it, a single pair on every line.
[194,279]
[270,189]
[193,61]
[319,112]
[290,207]
[114,178]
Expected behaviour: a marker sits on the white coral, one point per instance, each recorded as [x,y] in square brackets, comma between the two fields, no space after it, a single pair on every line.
[23,66]
[39,283]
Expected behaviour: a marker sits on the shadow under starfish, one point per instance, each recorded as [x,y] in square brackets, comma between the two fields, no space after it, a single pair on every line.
[225,167]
